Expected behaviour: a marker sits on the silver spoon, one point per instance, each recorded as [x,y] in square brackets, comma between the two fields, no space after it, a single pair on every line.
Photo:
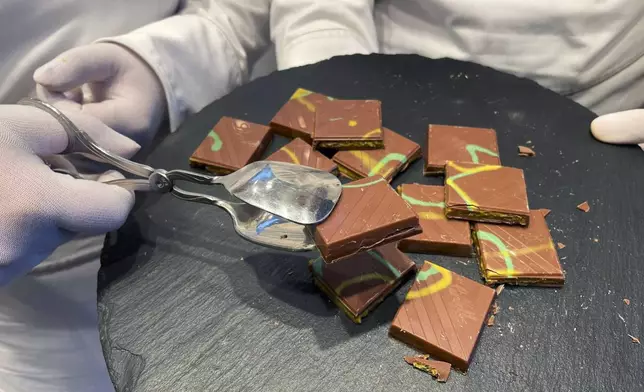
[296,193]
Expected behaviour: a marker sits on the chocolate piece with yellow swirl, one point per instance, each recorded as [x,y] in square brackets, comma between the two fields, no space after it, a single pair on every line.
[300,153]
[398,153]
[518,255]
[348,125]
[297,117]
[440,235]
[359,283]
[230,145]
[486,193]
[443,315]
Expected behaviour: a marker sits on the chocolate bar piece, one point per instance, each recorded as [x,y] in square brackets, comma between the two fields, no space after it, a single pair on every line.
[461,145]
[231,145]
[398,153]
[348,125]
[297,117]
[440,235]
[300,153]
[359,283]
[369,214]
[443,315]
[437,369]
[518,255]
[486,193]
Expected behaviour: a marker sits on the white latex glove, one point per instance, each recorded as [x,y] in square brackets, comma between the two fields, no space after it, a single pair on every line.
[625,127]
[41,209]
[108,82]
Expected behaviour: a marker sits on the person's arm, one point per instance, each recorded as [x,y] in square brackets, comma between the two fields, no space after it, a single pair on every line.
[192,58]
[308,31]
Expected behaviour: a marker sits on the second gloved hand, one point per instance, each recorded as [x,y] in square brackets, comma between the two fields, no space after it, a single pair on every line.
[108,82]
[625,127]
[41,209]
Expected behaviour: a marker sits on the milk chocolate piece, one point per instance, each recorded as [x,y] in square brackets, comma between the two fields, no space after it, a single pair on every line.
[440,235]
[398,153]
[585,207]
[437,369]
[231,145]
[300,153]
[486,193]
[369,214]
[297,117]
[443,315]
[359,283]
[348,125]
[461,145]
[526,151]
[518,255]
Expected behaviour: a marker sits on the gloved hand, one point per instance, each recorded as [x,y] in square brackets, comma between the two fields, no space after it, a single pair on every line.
[41,209]
[108,82]
[625,127]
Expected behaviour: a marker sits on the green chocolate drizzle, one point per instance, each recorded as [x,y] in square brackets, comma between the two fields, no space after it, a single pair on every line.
[394,156]
[216,141]
[505,252]
[384,262]
[363,185]
[473,149]
[423,275]
[417,202]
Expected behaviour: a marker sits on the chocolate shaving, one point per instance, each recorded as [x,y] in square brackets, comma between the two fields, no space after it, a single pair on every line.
[560,245]
[437,369]
[634,339]
[627,301]
[490,320]
[526,151]
[585,207]
[499,289]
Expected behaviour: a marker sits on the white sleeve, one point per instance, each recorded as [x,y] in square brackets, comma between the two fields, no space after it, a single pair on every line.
[308,31]
[201,53]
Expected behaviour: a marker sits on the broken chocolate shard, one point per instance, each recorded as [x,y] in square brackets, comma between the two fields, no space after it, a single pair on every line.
[560,245]
[526,151]
[437,369]
[490,320]
[348,125]
[585,207]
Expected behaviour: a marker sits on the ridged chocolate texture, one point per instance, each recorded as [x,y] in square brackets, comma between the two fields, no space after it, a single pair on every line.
[443,314]
[518,255]
[486,193]
[398,153]
[231,145]
[440,235]
[369,214]
[297,117]
[359,283]
[348,125]
[461,145]
[300,153]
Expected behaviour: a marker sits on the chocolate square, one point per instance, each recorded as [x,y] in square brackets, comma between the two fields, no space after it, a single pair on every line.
[359,283]
[486,193]
[461,145]
[231,145]
[443,314]
[369,214]
[348,125]
[297,117]
[300,153]
[440,235]
[398,153]
[518,255]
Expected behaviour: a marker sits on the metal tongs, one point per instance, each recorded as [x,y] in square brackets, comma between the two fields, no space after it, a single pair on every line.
[276,201]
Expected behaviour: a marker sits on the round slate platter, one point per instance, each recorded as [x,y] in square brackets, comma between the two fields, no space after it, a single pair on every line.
[187,305]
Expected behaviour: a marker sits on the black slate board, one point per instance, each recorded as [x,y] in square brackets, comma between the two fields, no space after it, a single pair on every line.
[186,305]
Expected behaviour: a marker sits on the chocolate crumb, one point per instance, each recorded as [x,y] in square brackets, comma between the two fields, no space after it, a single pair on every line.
[634,339]
[560,245]
[585,207]
[510,308]
[490,321]
[627,301]
[495,308]
[526,151]
[499,289]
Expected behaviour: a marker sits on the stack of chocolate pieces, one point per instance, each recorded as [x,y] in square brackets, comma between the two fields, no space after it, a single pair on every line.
[481,208]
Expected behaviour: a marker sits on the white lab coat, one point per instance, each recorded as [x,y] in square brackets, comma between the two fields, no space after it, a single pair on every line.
[49,338]
[591,51]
